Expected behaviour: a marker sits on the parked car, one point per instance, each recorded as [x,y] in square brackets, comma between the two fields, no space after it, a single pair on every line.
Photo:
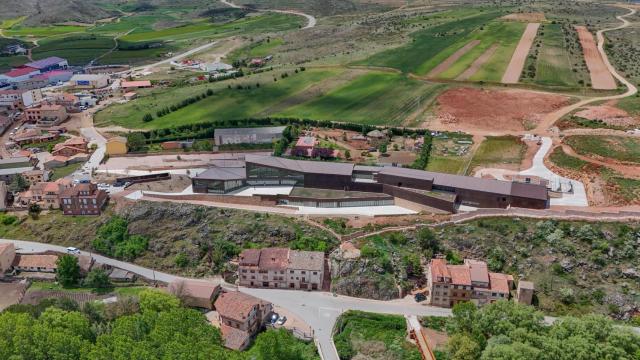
[274,318]
[281,320]
[73,250]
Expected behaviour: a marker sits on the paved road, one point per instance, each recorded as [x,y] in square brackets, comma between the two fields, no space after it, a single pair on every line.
[30,246]
[311,21]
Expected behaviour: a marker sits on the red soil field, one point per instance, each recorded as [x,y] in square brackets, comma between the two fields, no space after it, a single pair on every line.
[601,78]
[472,109]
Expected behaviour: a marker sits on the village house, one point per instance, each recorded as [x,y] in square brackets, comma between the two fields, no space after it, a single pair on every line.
[36,263]
[194,293]
[28,136]
[35,176]
[46,114]
[83,199]
[90,81]
[7,255]
[73,146]
[133,85]
[45,194]
[281,268]
[53,162]
[14,99]
[241,317]
[11,167]
[471,281]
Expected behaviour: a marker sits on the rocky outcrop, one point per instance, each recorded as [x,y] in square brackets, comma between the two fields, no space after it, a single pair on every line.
[360,277]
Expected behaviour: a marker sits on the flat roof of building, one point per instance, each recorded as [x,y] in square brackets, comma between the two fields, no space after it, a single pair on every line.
[306,260]
[304,166]
[223,173]
[271,130]
[46,62]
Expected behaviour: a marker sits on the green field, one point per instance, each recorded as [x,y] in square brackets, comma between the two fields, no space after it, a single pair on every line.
[375,98]
[430,46]
[446,164]
[619,148]
[257,24]
[42,31]
[499,150]
[259,49]
[630,104]
[8,62]
[226,103]
[77,49]
[504,34]
[561,159]
[553,67]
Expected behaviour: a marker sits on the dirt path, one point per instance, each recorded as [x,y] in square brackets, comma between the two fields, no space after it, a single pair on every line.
[548,121]
[601,77]
[477,63]
[446,64]
[512,74]
[311,21]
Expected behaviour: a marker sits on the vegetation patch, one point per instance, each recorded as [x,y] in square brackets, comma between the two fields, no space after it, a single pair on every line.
[367,335]
[561,159]
[375,98]
[77,49]
[499,150]
[621,148]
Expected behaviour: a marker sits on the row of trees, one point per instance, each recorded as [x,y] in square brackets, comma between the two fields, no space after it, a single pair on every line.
[508,330]
[152,326]
[113,239]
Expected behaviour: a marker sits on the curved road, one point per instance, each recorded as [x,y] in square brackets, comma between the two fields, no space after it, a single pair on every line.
[311,21]
[551,118]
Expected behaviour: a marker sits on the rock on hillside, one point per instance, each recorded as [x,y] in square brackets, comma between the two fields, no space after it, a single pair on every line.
[355,276]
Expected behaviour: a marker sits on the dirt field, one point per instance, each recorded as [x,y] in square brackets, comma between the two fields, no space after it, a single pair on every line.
[477,63]
[443,66]
[471,109]
[601,78]
[12,293]
[512,74]
[525,17]
[609,114]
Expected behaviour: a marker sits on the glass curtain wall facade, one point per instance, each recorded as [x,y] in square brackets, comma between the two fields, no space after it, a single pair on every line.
[218,186]
[262,175]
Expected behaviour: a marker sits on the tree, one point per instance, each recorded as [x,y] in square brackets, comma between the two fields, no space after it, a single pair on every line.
[34,210]
[136,141]
[97,278]
[18,183]
[156,301]
[383,148]
[347,154]
[462,347]
[68,271]
[147,117]
[428,241]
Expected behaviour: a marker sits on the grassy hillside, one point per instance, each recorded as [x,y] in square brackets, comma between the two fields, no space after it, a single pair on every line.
[614,147]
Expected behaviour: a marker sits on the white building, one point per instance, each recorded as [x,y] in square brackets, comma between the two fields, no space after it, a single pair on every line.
[90,81]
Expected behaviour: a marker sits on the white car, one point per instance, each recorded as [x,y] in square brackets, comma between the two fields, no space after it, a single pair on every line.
[281,320]
[73,250]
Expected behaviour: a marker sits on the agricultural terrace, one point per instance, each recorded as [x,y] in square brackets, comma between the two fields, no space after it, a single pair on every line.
[374,98]
[500,38]
[78,49]
[429,47]
[620,148]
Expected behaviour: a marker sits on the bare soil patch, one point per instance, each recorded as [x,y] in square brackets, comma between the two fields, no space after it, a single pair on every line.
[609,114]
[472,109]
[443,66]
[525,17]
[601,78]
[512,74]
[477,63]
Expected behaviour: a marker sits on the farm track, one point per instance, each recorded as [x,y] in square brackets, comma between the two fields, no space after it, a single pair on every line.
[446,64]
[311,20]
[477,63]
[519,57]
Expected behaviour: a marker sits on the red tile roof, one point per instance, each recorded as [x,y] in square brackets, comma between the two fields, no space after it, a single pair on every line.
[41,261]
[439,268]
[21,71]
[236,305]
[194,288]
[250,257]
[499,282]
[460,274]
[478,270]
[274,258]
[140,83]
[233,338]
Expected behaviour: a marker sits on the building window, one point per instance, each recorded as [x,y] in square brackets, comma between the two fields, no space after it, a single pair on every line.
[315,273]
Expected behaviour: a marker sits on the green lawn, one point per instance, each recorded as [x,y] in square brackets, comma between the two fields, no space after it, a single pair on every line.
[223,105]
[447,165]
[373,336]
[553,66]
[499,150]
[505,34]
[61,172]
[374,98]
[430,46]
[619,148]
[258,49]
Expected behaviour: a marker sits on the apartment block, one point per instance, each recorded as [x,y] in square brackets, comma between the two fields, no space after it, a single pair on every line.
[281,268]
